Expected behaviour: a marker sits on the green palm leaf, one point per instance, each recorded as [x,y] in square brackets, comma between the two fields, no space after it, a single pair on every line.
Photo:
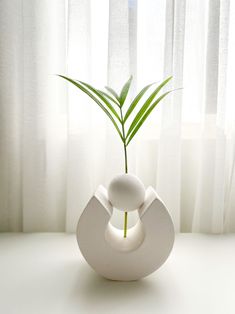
[109,97]
[135,101]
[112,91]
[147,113]
[125,91]
[146,105]
[82,88]
[95,91]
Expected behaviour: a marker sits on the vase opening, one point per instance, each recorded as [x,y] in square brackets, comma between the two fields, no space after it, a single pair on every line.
[115,238]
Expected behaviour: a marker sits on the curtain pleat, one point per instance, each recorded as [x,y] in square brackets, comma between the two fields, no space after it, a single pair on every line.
[169,157]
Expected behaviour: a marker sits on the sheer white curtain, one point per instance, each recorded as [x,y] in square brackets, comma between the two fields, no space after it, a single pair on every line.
[56,147]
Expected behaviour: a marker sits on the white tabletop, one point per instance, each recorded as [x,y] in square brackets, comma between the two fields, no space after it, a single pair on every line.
[45,273]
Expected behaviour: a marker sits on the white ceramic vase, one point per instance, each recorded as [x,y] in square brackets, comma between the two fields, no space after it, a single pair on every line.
[148,243]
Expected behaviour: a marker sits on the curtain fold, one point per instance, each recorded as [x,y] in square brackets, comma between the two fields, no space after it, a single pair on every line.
[56,146]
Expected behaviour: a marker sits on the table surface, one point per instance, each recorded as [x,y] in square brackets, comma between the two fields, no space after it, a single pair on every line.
[45,273]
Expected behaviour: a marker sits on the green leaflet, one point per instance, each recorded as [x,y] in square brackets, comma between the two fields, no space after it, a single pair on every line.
[82,88]
[112,91]
[136,101]
[125,91]
[95,91]
[109,97]
[146,105]
[147,113]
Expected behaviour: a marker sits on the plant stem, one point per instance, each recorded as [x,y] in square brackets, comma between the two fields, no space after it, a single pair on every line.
[126,169]
[125,224]
[125,154]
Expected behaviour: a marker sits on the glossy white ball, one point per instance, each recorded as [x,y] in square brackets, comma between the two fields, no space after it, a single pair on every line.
[126,192]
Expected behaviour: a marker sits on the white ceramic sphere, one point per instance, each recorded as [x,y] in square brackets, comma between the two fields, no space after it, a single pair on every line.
[126,192]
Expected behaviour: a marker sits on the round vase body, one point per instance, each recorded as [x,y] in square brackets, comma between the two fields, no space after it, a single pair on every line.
[126,192]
